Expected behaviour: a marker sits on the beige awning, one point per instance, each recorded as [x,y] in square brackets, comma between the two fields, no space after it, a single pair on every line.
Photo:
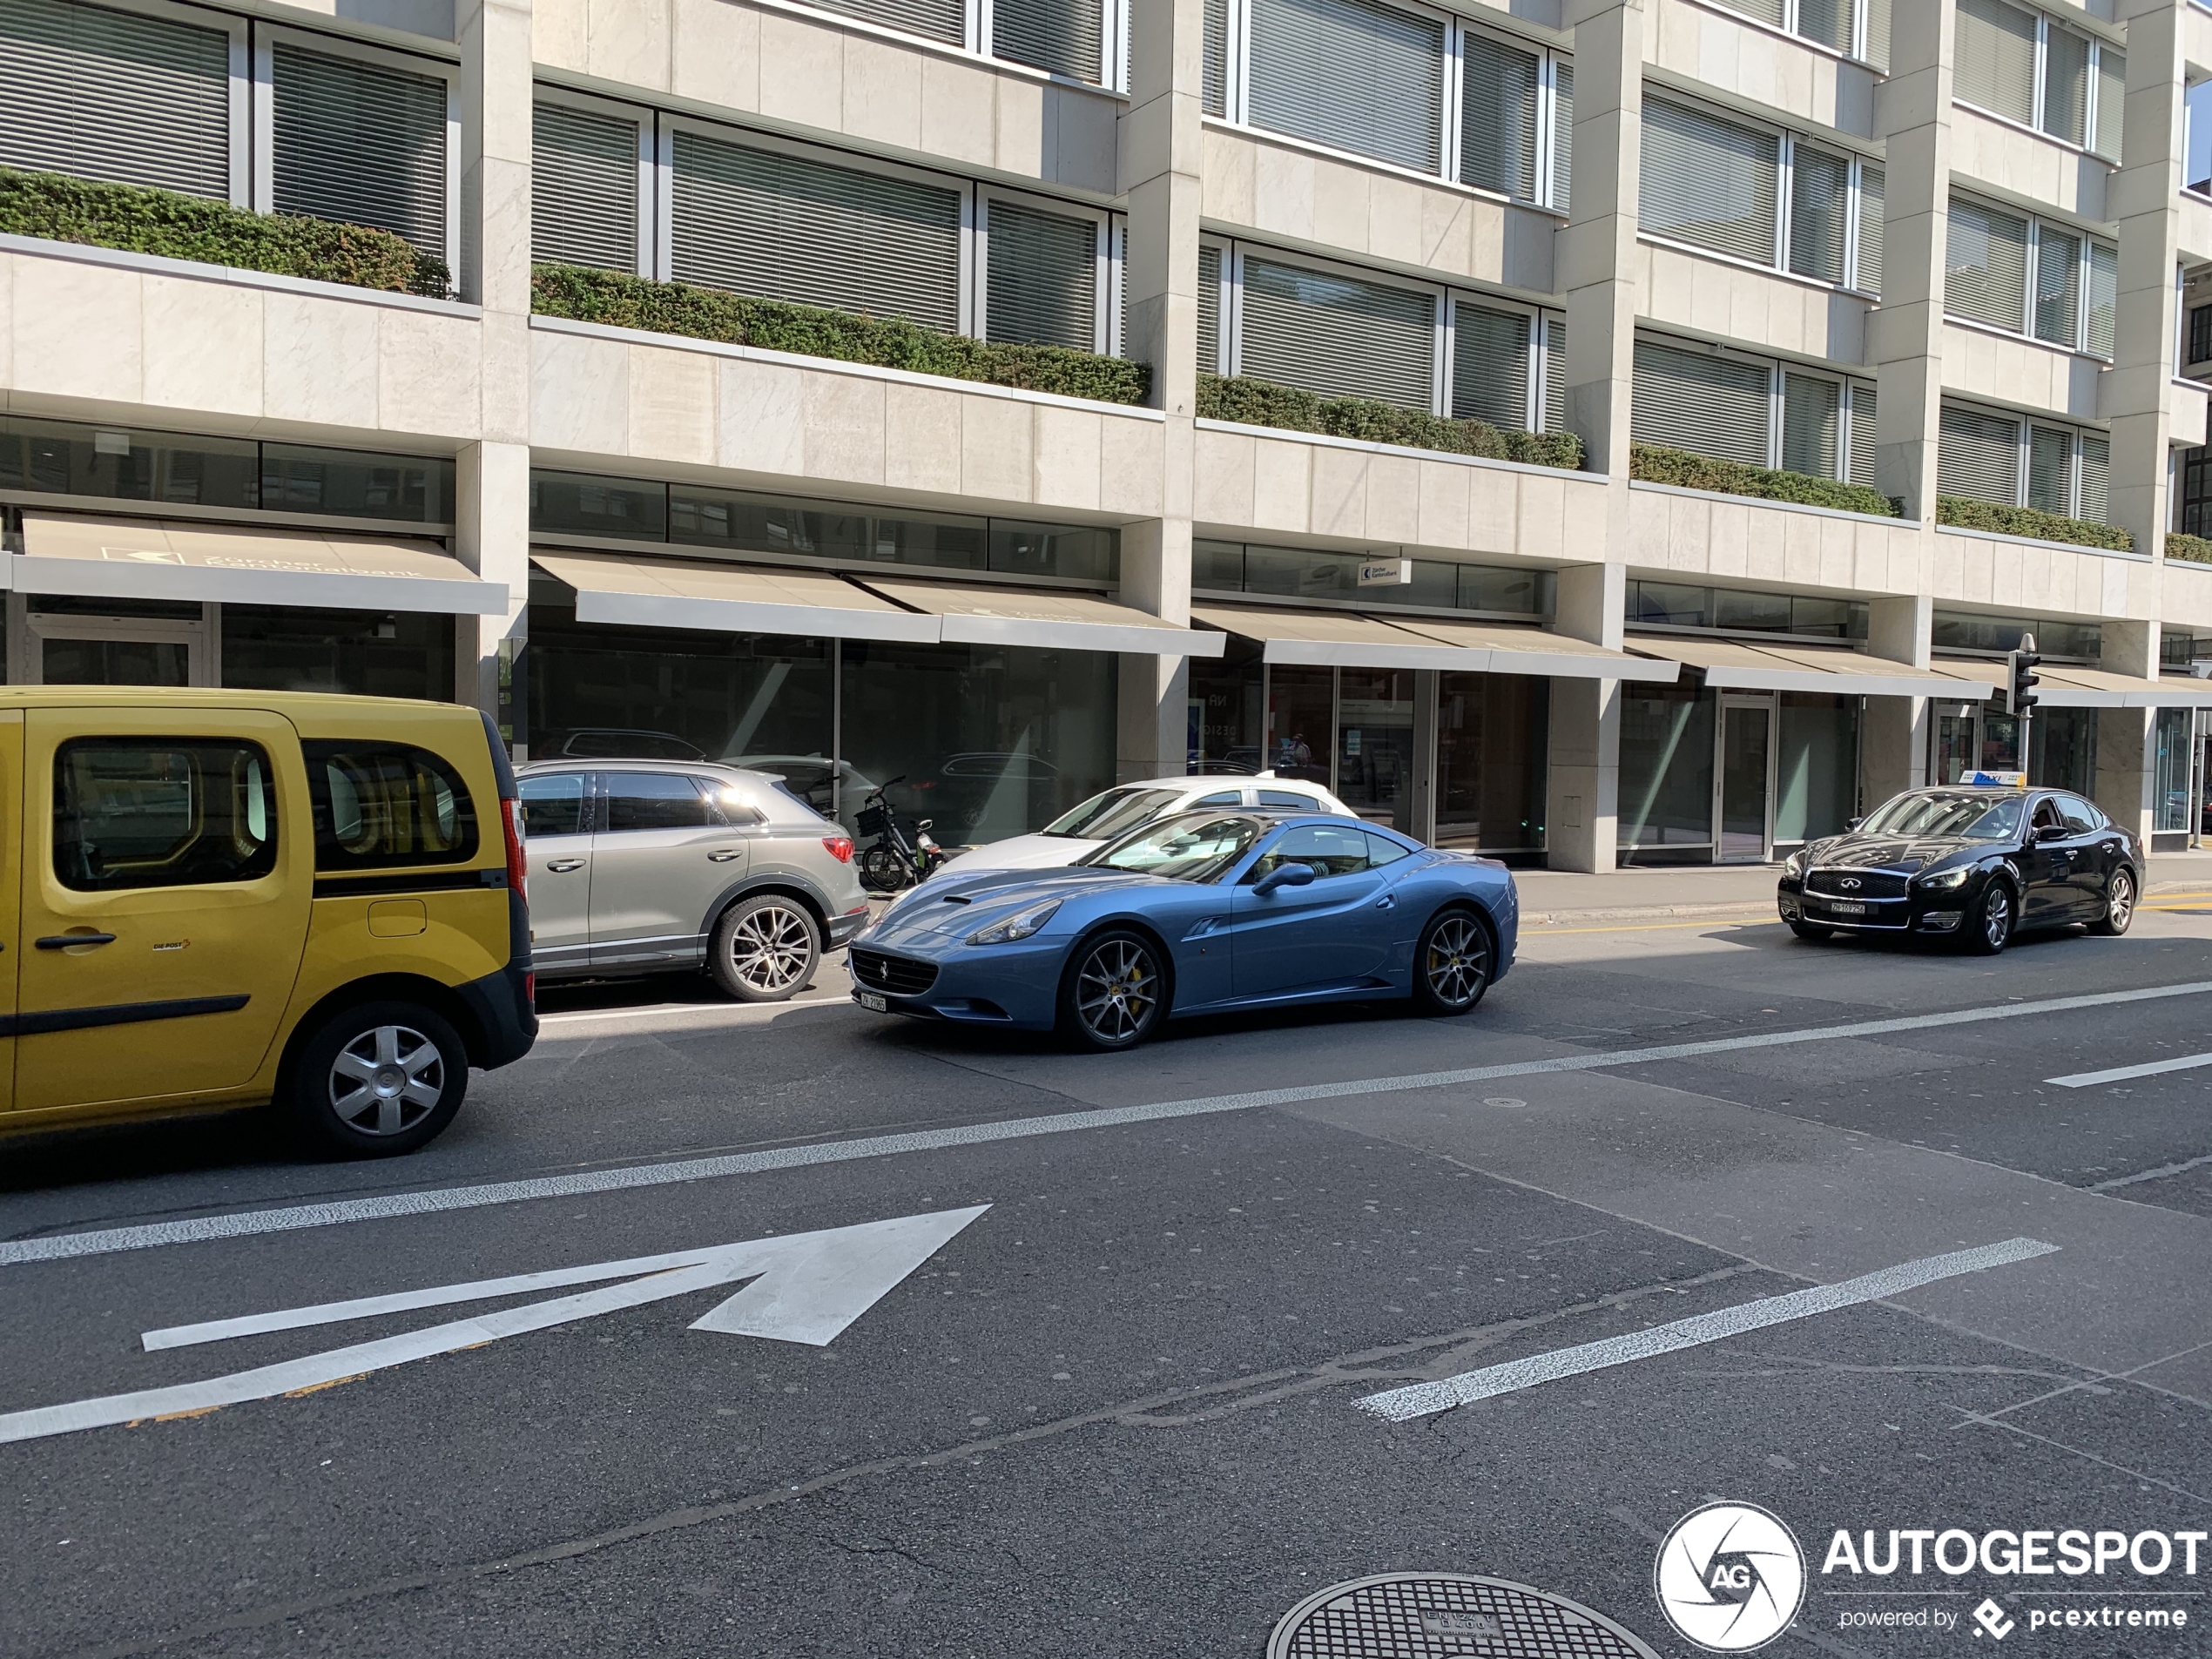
[2062,686]
[1335,639]
[728,598]
[1517,649]
[1740,665]
[165,558]
[1050,619]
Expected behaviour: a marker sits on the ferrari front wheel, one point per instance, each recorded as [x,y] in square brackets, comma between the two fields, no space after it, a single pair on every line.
[1452,964]
[1114,993]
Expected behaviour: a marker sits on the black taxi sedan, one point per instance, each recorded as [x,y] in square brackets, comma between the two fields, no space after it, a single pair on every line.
[1969,864]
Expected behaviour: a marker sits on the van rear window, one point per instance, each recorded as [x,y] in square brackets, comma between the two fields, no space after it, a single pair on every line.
[381,804]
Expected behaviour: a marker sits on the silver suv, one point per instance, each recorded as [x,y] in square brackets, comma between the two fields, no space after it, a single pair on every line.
[640,865]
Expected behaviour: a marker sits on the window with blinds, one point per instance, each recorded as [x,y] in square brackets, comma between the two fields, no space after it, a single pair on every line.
[1490,364]
[1563,134]
[2104,297]
[2112,101]
[2050,469]
[784,227]
[2065,85]
[583,189]
[1812,425]
[1209,310]
[115,96]
[1709,182]
[2095,503]
[1878,33]
[1554,373]
[1766,11]
[1864,427]
[1986,266]
[1215,94]
[1819,212]
[1977,455]
[1064,37]
[1712,406]
[359,143]
[1872,184]
[1994,59]
[1351,73]
[1042,286]
[1501,88]
[1828,21]
[945,20]
[1337,336]
[2058,286]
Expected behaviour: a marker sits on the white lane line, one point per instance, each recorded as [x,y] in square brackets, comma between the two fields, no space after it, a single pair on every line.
[2121,1074]
[1402,1405]
[151,1235]
[2160,1173]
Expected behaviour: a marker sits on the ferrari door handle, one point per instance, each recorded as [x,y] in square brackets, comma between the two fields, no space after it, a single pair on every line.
[562,867]
[725,854]
[64,941]
[1386,902]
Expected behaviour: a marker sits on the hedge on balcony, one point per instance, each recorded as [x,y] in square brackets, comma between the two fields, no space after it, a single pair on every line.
[61,209]
[624,302]
[1964,513]
[1251,401]
[1657,464]
[2193,548]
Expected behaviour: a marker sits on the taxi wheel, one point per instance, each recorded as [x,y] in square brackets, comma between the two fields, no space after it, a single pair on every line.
[1990,923]
[1114,993]
[2120,905]
[766,949]
[379,1079]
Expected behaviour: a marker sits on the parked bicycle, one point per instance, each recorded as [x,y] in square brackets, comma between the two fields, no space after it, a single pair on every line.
[893,862]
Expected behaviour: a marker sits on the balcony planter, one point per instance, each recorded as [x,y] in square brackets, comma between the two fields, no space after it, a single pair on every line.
[1656,464]
[618,300]
[1963,513]
[57,208]
[2192,548]
[1251,401]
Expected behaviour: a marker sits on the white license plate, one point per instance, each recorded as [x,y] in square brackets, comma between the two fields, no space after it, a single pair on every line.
[870,1001]
[1846,906]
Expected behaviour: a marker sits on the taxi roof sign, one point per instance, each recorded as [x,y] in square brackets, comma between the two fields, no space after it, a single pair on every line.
[1995,779]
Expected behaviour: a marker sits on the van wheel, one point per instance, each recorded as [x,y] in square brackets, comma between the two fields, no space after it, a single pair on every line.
[380,1079]
[765,949]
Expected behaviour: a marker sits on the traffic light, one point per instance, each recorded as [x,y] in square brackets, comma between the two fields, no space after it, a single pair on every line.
[2023,678]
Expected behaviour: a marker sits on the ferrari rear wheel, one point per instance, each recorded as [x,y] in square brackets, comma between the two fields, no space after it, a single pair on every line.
[1114,993]
[1452,964]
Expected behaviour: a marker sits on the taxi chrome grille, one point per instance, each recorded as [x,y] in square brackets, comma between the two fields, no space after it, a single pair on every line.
[1857,884]
[900,975]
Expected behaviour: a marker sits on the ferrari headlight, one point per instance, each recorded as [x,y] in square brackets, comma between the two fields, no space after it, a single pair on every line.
[1947,879]
[1020,925]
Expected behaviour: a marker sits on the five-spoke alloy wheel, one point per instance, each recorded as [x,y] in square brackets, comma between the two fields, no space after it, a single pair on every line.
[766,949]
[1452,964]
[380,1079]
[1989,924]
[1114,993]
[2119,905]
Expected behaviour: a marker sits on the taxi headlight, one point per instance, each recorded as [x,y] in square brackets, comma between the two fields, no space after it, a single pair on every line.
[1020,925]
[1945,879]
[1795,864]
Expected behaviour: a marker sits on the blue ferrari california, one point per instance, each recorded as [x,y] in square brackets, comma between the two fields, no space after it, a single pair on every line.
[1203,913]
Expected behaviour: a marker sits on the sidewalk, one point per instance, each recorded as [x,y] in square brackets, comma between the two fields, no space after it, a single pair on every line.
[1562,898]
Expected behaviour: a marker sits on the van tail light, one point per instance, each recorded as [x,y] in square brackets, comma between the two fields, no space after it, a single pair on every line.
[838,847]
[510,820]
[529,989]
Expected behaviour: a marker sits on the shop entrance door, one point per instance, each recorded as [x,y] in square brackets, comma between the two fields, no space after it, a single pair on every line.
[1744,781]
[116,651]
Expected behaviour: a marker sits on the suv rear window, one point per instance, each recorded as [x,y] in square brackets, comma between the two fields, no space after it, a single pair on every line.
[381,804]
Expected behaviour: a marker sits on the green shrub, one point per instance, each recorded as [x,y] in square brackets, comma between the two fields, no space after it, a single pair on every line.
[2195,548]
[61,209]
[1251,401]
[1964,513]
[624,301]
[1656,464]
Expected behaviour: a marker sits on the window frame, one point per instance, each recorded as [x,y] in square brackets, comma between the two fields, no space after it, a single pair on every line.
[647,121]
[2024,428]
[1232,303]
[2083,266]
[1860,27]
[1778,370]
[1224,330]
[266,35]
[1104,313]
[2093,94]
[1532,414]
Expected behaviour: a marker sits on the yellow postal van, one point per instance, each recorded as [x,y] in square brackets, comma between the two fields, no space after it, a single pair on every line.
[213,899]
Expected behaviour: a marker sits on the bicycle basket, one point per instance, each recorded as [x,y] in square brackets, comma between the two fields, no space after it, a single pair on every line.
[874,820]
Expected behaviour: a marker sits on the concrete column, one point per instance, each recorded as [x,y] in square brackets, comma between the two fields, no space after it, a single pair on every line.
[1893,744]
[2126,757]
[2144,197]
[1161,152]
[492,497]
[1581,820]
[1912,111]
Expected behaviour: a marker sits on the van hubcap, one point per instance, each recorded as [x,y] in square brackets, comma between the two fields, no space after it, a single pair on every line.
[387,1080]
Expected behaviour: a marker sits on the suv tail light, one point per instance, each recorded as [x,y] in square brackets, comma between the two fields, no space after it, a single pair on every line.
[510,820]
[838,847]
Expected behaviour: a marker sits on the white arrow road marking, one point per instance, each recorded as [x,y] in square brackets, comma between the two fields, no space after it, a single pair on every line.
[2121,1074]
[1402,1405]
[807,1287]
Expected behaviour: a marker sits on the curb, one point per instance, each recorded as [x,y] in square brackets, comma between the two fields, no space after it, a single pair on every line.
[1656,913]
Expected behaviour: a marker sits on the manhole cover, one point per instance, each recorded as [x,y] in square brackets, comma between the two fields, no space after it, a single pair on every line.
[1433,1615]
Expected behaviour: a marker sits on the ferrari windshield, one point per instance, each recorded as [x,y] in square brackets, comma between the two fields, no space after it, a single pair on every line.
[1113,811]
[1189,849]
[1974,817]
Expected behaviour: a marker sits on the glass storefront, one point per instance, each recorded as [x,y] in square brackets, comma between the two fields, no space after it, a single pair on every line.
[2062,749]
[1493,733]
[1301,722]
[2170,772]
[1816,786]
[1227,695]
[1665,801]
[1377,754]
[405,654]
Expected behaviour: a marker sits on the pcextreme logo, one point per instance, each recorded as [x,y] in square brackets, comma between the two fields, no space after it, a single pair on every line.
[1729,1578]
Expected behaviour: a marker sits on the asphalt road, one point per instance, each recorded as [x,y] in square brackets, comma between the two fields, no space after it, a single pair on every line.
[1118,1413]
